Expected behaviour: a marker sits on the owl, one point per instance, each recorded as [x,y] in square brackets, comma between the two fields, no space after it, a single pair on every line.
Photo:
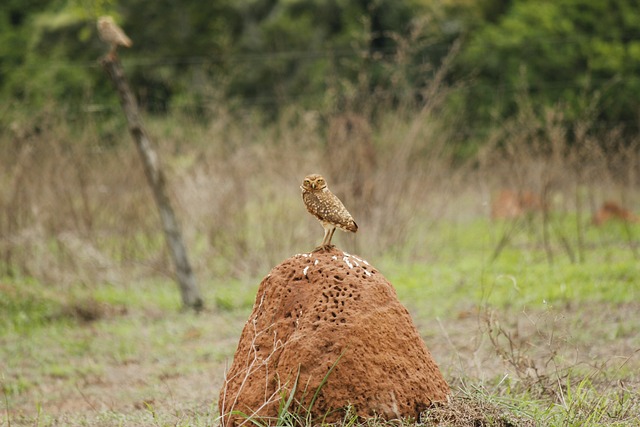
[326,207]
[112,34]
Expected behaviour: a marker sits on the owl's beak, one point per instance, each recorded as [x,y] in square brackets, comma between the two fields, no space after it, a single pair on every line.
[313,185]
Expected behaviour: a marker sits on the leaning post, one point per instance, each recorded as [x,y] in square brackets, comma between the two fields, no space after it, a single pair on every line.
[191,297]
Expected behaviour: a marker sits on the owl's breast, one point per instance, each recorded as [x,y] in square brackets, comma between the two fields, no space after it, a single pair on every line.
[314,204]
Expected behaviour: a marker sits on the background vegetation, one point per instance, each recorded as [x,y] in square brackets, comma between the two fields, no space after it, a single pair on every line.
[419,113]
[580,56]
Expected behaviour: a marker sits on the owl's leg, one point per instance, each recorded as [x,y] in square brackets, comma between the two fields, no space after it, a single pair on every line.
[111,55]
[328,234]
[333,230]
[326,240]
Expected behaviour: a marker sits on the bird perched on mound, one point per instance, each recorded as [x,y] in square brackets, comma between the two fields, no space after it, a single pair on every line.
[326,207]
[112,34]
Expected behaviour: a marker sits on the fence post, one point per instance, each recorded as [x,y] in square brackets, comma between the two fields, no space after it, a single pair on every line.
[191,297]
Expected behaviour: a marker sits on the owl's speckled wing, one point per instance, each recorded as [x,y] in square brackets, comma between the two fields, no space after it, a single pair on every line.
[325,206]
[111,33]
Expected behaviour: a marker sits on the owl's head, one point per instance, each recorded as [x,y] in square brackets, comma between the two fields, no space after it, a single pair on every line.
[314,182]
[105,22]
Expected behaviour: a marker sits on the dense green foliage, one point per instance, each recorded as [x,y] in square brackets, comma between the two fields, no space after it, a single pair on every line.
[579,55]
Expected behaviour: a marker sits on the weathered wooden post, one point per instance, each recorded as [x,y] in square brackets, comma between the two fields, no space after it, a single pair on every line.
[191,297]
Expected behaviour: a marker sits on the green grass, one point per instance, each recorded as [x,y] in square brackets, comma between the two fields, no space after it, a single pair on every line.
[458,271]
[125,354]
[517,283]
[137,338]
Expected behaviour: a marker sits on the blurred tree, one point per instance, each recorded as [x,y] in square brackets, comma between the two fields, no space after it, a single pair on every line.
[333,54]
[259,51]
[181,48]
[293,50]
[47,53]
[580,54]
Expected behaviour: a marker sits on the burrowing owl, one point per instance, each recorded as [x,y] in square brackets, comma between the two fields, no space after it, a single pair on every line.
[325,206]
[112,34]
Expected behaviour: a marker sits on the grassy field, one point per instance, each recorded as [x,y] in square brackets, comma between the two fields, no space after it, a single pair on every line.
[533,320]
[524,339]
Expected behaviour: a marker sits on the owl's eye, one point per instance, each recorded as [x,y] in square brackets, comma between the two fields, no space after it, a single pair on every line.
[307,182]
[321,181]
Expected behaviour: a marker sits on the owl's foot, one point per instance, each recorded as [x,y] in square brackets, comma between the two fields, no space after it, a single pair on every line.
[324,248]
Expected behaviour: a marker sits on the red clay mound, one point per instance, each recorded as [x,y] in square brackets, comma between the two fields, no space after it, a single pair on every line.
[329,315]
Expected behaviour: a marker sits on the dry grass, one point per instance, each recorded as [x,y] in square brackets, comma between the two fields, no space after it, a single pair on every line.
[75,207]
[475,411]
[74,204]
